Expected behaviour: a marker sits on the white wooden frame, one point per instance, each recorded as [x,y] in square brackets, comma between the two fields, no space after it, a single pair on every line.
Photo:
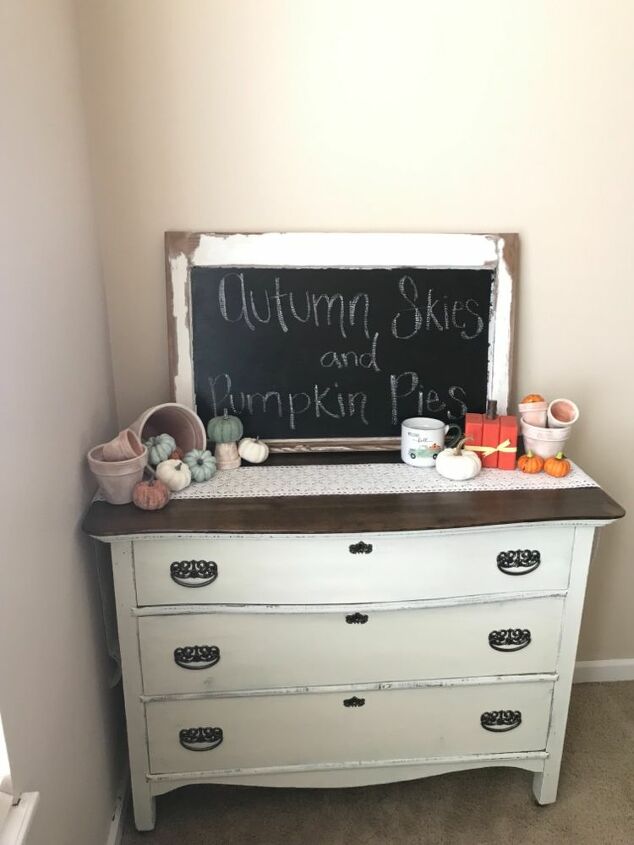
[185,250]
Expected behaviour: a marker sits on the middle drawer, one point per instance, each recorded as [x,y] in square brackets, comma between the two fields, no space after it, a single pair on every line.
[261,649]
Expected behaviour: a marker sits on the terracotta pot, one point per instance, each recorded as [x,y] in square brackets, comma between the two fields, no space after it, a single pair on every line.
[116,479]
[533,413]
[124,446]
[545,442]
[562,413]
[171,418]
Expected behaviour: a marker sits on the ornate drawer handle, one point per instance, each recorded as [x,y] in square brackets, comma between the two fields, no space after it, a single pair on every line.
[360,548]
[200,739]
[193,573]
[353,702]
[518,562]
[499,721]
[357,618]
[197,656]
[510,639]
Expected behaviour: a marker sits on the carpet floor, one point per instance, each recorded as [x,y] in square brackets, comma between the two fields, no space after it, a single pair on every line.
[481,807]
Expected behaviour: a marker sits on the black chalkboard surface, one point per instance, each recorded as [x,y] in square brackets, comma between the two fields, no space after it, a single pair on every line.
[327,341]
[339,352]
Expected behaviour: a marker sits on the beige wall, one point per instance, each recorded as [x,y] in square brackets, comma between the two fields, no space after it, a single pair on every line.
[59,714]
[402,116]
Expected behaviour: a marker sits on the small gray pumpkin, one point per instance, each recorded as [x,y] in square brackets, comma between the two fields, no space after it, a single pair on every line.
[159,448]
[201,463]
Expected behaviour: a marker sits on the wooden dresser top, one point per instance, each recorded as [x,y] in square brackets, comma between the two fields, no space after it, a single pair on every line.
[352,514]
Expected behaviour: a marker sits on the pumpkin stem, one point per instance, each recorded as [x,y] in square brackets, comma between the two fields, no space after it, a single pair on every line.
[457,449]
[559,456]
[225,413]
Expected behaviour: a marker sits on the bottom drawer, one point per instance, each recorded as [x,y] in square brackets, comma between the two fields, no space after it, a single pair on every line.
[312,728]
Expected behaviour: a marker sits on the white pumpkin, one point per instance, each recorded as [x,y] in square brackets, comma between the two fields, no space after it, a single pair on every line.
[175,474]
[253,450]
[458,465]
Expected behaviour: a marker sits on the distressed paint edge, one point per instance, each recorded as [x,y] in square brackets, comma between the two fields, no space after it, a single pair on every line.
[349,249]
[455,763]
[343,608]
[378,686]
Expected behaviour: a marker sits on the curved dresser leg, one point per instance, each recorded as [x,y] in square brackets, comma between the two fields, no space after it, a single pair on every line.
[545,783]
[144,809]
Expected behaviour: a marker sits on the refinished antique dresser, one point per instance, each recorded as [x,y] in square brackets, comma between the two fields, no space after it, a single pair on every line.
[335,641]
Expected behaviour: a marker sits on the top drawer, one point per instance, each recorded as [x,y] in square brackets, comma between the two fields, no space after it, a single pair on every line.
[351,569]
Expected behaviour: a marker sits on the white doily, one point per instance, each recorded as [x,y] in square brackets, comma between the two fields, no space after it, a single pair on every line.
[367,480]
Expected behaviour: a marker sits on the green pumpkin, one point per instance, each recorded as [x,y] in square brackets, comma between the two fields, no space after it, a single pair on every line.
[224,429]
[201,463]
[159,448]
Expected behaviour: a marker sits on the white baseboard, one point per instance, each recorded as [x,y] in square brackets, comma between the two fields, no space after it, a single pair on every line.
[115,834]
[595,671]
[17,823]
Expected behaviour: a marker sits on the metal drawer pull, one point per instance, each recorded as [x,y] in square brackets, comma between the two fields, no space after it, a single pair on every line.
[193,573]
[357,618]
[196,656]
[360,548]
[200,739]
[518,562]
[353,702]
[499,721]
[510,639]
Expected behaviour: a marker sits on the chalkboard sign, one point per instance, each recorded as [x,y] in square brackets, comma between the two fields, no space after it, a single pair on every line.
[329,341]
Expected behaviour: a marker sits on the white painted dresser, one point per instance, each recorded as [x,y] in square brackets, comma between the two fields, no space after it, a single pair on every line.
[344,640]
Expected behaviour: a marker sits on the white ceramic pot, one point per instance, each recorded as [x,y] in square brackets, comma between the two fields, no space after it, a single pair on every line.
[545,442]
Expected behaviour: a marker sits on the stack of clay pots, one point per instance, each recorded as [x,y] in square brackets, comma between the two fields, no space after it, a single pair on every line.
[546,427]
[120,464]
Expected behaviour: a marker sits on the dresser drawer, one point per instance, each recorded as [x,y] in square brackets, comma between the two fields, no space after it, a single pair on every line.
[246,732]
[351,569]
[260,650]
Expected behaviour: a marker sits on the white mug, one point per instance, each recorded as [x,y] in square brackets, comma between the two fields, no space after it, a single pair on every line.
[422,438]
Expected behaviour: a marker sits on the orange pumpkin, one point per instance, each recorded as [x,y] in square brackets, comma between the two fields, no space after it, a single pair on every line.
[530,463]
[557,466]
[532,397]
[177,455]
[150,495]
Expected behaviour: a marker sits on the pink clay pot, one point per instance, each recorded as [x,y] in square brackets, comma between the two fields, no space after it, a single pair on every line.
[172,418]
[116,479]
[534,413]
[562,413]
[124,446]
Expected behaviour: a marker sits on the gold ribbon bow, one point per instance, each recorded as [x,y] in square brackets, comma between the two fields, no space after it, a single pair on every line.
[504,446]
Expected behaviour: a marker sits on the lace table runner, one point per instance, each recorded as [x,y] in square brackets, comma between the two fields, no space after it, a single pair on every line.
[366,479]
